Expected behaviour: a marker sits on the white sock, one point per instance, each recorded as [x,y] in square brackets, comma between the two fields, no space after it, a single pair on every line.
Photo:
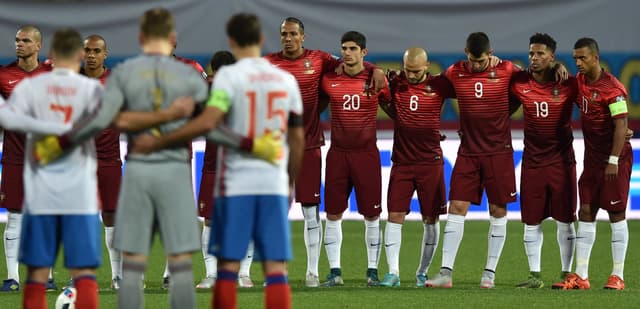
[312,237]
[50,273]
[430,238]
[619,242]
[245,264]
[392,243]
[210,262]
[533,240]
[166,272]
[453,231]
[585,238]
[566,236]
[497,236]
[12,232]
[373,239]
[114,255]
[333,242]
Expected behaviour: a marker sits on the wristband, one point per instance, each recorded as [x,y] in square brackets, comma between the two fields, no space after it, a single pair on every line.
[613,160]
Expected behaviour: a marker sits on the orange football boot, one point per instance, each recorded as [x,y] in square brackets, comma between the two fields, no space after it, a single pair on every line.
[572,282]
[614,283]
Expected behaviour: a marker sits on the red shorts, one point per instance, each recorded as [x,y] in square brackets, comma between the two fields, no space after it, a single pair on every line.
[11,188]
[205,196]
[493,173]
[427,180]
[608,195]
[353,170]
[308,181]
[548,191]
[109,179]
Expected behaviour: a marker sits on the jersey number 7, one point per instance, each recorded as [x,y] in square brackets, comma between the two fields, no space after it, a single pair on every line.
[66,109]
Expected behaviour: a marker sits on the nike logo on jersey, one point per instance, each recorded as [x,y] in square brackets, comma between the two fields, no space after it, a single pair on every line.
[460,75]
[513,193]
[11,82]
[526,90]
[376,206]
[615,202]
[335,85]
[316,194]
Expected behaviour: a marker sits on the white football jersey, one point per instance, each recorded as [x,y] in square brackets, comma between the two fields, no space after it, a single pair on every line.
[260,99]
[67,185]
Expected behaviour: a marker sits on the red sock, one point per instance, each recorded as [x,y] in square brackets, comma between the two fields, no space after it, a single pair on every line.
[277,294]
[34,296]
[224,292]
[87,289]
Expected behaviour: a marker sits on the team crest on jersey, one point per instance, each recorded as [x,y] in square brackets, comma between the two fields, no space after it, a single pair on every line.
[307,67]
[555,93]
[594,95]
[428,90]
[493,76]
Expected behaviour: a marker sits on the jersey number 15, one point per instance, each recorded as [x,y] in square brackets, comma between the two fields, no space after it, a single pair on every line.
[273,112]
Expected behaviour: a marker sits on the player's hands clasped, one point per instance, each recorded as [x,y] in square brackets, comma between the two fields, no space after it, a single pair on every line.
[268,147]
[47,149]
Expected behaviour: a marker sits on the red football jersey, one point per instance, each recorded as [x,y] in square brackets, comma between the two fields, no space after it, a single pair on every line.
[13,142]
[353,111]
[416,136]
[547,111]
[194,64]
[108,141]
[483,103]
[597,127]
[210,157]
[308,70]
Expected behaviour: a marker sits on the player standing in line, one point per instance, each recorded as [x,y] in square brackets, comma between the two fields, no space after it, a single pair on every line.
[28,42]
[416,101]
[205,196]
[252,196]
[353,161]
[608,160]
[61,199]
[108,155]
[548,181]
[485,155]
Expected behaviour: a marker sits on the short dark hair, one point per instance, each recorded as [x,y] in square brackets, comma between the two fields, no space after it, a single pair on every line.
[354,36]
[37,34]
[478,43]
[66,42]
[543,38]
[295,21]
[157,23]
[97,37]
[589,43]
[221,58]
[244,28]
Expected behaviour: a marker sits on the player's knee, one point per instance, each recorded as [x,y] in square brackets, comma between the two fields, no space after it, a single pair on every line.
[616,216]
[396,217]
[108,218]
[334,217]
[429,220]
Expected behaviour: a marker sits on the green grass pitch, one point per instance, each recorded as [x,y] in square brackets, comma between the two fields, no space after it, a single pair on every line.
[512,269]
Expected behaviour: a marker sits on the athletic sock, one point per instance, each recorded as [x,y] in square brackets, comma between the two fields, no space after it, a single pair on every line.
[277,294]
[130,294]
[182,293]
[87,291]
[166,272]
[619,242]
[312,237]
[430,238]
[115,257]
[533,240]
[497,236]
[12,232]
[333,242]
[210,261]
[566,237]
[34,295]
[585,238]
[393,241]
[245,264]
[225,291]
[373,239]
[453,232]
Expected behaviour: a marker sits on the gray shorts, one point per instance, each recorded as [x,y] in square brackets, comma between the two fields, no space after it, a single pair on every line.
[156,196]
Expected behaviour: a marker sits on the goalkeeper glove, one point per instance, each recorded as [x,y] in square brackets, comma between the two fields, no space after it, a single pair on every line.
[47,149]
[267,147]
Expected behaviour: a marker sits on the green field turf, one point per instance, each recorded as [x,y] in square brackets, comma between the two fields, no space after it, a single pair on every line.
[465,293]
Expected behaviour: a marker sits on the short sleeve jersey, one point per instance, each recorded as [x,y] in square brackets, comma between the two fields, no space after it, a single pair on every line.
[108,141]
[547,111]
[67,185]
[416,137]
[594,100]
[483,103]
[257,98]
[308,70]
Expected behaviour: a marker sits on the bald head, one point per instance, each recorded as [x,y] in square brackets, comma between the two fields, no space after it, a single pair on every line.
[415,64]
